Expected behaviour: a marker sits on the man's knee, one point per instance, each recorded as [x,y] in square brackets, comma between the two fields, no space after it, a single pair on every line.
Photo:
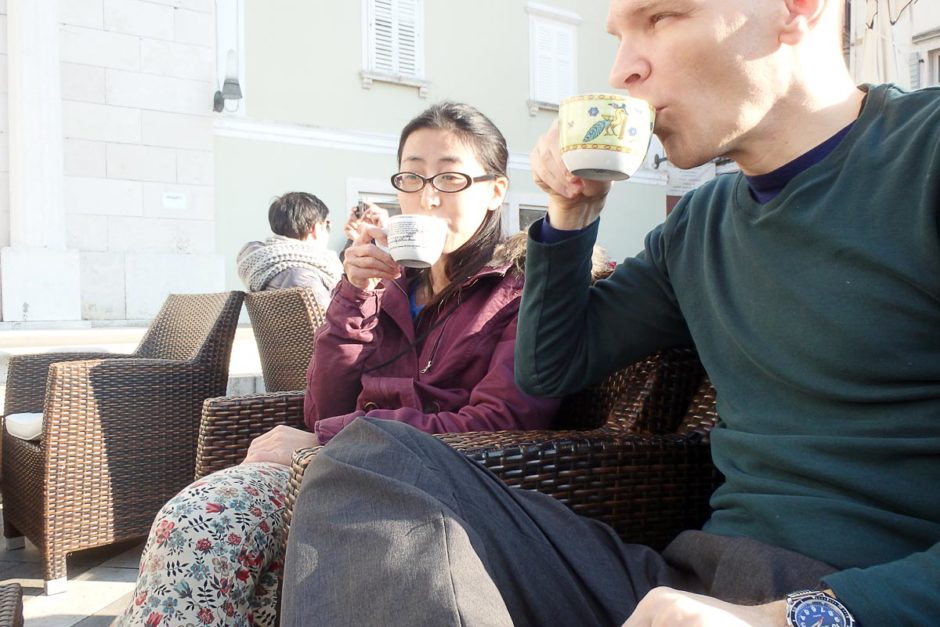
[373,443]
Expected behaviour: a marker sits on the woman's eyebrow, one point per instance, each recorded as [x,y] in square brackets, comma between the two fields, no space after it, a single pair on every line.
[417,159]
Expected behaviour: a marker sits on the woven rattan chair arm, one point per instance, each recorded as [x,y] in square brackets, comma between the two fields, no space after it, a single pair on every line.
[27,374]
[647,487]
[93,394]
[230,423]
[11,605]
[299,461]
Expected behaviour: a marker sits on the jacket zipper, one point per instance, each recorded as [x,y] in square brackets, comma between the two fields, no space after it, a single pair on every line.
[437,344]
[440,336]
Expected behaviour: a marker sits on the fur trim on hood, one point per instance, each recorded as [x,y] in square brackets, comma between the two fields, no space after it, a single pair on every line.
[512,250]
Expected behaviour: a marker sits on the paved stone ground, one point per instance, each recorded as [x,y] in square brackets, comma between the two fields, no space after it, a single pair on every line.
[100,585]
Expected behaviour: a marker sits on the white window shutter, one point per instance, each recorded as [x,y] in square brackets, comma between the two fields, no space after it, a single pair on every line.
[545,63]
[564,57]
[395,38]
[382,51]
[407,37]
[553,58]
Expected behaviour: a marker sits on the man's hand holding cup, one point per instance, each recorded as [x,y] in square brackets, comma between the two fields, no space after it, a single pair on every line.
[598,138]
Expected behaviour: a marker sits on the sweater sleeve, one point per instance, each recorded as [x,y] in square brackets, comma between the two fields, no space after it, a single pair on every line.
[495,403]
[342,345]
[573,333]
[903,592]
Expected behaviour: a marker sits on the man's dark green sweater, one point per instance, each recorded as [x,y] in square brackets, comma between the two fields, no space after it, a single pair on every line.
[817,317]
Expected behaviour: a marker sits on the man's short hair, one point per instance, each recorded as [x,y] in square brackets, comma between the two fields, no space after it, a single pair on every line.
[295,213]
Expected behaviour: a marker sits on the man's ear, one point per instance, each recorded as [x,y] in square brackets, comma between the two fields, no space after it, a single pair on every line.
[801,17]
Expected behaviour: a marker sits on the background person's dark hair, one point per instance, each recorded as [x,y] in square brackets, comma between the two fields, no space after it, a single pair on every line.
[295,213]
[489,146]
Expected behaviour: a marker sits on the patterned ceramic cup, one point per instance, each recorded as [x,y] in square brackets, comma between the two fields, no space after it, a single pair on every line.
[416,241]
[604,136]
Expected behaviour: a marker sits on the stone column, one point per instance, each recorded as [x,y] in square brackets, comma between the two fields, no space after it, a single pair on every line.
[39,277]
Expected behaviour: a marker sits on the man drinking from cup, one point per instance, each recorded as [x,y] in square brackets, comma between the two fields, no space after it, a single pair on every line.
[810,286]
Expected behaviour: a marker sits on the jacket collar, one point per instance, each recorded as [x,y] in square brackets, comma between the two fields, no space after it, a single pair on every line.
[396,304]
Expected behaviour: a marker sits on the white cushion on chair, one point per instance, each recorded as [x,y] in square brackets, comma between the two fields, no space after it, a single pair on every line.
[24,426]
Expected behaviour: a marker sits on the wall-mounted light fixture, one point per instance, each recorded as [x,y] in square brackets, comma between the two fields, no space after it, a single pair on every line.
[657,160]
[231,90]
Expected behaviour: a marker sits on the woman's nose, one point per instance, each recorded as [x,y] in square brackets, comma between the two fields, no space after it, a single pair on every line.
[430,197]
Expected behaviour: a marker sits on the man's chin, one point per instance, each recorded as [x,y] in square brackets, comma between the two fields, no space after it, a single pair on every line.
[682,159]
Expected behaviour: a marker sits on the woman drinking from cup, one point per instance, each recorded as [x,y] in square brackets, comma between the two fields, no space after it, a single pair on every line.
[431,346]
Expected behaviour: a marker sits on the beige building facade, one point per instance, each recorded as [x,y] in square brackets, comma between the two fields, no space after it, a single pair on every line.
[119,183]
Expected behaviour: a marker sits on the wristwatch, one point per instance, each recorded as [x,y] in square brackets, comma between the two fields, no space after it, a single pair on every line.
[813,608]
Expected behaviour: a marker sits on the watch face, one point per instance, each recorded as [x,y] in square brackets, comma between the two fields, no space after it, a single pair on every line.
[818,613]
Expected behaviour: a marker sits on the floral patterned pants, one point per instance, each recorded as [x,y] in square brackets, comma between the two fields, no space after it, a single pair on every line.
[215,552]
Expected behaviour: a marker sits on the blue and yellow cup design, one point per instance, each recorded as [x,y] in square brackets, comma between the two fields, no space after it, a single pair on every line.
[604,136]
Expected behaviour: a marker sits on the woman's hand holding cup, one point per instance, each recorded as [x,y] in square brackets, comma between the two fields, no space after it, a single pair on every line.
[365,263]
[573,202]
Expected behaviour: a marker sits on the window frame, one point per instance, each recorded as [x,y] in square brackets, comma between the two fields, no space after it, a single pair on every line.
[370,72]
[544,16]
[933,67]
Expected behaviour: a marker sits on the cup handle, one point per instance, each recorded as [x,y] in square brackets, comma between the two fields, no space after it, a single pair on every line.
[378,245]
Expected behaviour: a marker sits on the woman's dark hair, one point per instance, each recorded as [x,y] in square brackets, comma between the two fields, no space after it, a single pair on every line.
[295,213]
[489,146]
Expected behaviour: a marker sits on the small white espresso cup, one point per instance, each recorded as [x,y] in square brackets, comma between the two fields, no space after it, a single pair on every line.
[604,136]
[416,241]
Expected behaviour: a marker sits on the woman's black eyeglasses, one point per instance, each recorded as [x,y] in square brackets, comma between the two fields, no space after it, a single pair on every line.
[446,182]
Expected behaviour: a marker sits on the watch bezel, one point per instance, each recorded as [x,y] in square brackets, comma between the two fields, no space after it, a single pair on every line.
[795,600]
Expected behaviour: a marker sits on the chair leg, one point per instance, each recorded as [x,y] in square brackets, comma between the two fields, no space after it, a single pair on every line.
[14,538]
[14,544]
[56,586]
[54,573]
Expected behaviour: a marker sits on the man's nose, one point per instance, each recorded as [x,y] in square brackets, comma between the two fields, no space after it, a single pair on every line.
[630,67]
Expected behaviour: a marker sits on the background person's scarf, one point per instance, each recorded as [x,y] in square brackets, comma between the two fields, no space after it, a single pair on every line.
[280,253]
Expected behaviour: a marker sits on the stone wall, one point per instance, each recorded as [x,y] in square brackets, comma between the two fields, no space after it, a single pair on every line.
[137,79]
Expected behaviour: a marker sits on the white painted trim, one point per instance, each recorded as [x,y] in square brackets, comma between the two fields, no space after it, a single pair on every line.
[519,161]
[536,8]
[369,77]
[926,36]
[285,133]
[357,141]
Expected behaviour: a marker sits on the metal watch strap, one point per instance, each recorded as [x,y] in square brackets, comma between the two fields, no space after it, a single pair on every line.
[801,595]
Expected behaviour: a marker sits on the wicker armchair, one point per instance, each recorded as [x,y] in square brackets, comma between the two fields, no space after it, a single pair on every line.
[11,605]
[646,471]
[284,323]
[119,431]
